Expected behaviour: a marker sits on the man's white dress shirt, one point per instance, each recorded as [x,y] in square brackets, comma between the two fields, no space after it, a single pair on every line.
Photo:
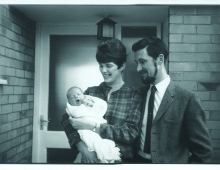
[161,88]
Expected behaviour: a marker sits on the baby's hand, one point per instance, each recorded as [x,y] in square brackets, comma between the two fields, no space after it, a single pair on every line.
[87,101]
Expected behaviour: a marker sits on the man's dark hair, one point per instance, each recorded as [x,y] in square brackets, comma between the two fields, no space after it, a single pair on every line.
[112,50]
[155,47]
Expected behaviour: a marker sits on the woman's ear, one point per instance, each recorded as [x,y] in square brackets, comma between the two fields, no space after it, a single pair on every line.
[122,67]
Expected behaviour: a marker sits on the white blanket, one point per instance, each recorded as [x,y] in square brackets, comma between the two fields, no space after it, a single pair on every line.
[105,149]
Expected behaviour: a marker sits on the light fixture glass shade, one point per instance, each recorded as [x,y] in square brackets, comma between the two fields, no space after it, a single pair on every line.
[106,29]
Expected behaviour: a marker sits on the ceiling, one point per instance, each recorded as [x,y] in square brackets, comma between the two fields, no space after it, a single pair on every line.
[91,14]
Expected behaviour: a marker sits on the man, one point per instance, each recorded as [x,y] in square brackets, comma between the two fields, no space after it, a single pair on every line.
[177,131]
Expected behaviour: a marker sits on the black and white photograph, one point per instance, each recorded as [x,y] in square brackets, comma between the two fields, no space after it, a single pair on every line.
[92,84]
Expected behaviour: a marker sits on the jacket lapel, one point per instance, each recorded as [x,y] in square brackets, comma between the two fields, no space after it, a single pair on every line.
[166,101]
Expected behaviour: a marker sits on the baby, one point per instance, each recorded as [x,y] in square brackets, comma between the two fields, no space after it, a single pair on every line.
[80,105]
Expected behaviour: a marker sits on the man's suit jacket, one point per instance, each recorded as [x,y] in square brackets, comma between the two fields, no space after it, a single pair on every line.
[179,133]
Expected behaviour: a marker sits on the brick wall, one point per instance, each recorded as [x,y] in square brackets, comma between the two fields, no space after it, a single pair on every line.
[17,38]
[194,61]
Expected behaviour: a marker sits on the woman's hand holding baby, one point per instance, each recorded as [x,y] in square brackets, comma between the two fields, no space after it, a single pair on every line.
[88,157]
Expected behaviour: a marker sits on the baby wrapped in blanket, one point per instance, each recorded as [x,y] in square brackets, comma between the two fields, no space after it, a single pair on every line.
[95,109]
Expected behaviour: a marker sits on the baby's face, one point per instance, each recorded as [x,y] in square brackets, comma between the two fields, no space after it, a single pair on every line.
[75,97]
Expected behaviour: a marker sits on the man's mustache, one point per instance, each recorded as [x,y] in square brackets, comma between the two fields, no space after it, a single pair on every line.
[143,71]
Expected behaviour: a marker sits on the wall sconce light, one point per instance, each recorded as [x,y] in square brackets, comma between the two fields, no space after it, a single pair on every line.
[106,29]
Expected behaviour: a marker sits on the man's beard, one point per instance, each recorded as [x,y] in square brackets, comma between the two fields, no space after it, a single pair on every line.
[148,79]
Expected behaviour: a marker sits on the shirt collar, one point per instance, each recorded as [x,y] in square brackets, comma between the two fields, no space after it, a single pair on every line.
[162,86]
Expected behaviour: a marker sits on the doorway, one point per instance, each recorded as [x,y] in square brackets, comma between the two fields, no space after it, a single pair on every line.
[72,45]
[72,63]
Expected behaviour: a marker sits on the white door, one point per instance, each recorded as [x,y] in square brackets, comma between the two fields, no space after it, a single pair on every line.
[77,72]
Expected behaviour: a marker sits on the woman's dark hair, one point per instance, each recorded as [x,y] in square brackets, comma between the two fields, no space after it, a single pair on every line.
[112,50]
[155,47]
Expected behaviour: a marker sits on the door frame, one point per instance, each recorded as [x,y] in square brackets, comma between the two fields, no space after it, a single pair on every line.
[41,84]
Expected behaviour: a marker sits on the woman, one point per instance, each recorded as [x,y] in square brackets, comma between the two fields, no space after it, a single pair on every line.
[124,105]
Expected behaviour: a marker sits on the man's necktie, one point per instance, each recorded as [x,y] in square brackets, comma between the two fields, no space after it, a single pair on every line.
[149,120]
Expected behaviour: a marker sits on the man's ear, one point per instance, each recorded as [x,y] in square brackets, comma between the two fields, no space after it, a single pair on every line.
[122,67]
[160,59]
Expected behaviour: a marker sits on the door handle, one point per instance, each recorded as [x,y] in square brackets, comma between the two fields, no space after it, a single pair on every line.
[42,121]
